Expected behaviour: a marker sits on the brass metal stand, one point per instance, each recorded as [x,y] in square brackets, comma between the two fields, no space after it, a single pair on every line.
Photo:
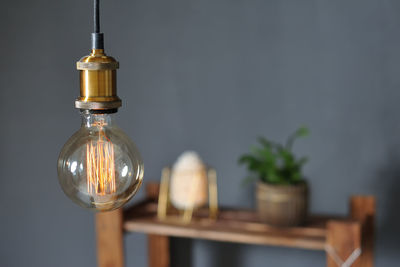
[187,214]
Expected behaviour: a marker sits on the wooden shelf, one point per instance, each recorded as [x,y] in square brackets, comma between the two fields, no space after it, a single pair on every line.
[343,234]
[239,226]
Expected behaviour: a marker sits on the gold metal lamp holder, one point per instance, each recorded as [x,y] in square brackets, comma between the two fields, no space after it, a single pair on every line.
[98,78]
[98,75]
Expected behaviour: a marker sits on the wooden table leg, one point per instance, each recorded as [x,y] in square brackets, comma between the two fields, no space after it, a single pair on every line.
[110,244]
[343,238]
[362,209]
[158,250]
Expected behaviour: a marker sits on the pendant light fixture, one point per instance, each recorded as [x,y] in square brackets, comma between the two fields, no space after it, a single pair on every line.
[99,167]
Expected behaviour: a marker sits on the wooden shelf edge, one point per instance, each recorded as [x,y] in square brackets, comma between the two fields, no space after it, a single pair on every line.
[158,228]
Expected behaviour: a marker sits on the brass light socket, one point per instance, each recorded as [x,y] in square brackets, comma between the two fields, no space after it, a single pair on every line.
[98,79]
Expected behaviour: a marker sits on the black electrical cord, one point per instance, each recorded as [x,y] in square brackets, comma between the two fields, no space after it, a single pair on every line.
[96,16]
[97,36]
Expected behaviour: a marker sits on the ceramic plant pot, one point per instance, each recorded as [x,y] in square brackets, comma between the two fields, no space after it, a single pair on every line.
[282,205]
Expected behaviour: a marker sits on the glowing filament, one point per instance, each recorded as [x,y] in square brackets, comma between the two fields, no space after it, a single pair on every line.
[100,166]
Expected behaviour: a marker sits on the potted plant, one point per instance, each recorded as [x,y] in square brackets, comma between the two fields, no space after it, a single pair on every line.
[281,191]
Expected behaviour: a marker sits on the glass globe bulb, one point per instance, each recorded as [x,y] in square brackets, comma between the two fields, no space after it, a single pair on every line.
[99,167]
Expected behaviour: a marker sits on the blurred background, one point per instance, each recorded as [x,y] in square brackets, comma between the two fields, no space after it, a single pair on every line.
[209,76]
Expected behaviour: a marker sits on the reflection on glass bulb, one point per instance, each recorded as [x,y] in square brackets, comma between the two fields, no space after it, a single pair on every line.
[110,167]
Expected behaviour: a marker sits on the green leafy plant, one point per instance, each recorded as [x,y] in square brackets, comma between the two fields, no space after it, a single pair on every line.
[275,163]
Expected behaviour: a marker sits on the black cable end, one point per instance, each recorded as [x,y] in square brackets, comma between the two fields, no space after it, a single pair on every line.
[97,41]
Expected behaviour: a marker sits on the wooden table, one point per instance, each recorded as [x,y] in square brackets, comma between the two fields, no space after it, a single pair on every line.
[344,234]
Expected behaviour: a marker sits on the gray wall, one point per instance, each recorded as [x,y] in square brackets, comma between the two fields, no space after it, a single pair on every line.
[210,76]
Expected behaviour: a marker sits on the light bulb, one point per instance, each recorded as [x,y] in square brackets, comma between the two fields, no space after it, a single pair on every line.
[99,167]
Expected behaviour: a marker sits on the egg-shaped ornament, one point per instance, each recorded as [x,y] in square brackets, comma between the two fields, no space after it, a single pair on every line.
[189,183]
